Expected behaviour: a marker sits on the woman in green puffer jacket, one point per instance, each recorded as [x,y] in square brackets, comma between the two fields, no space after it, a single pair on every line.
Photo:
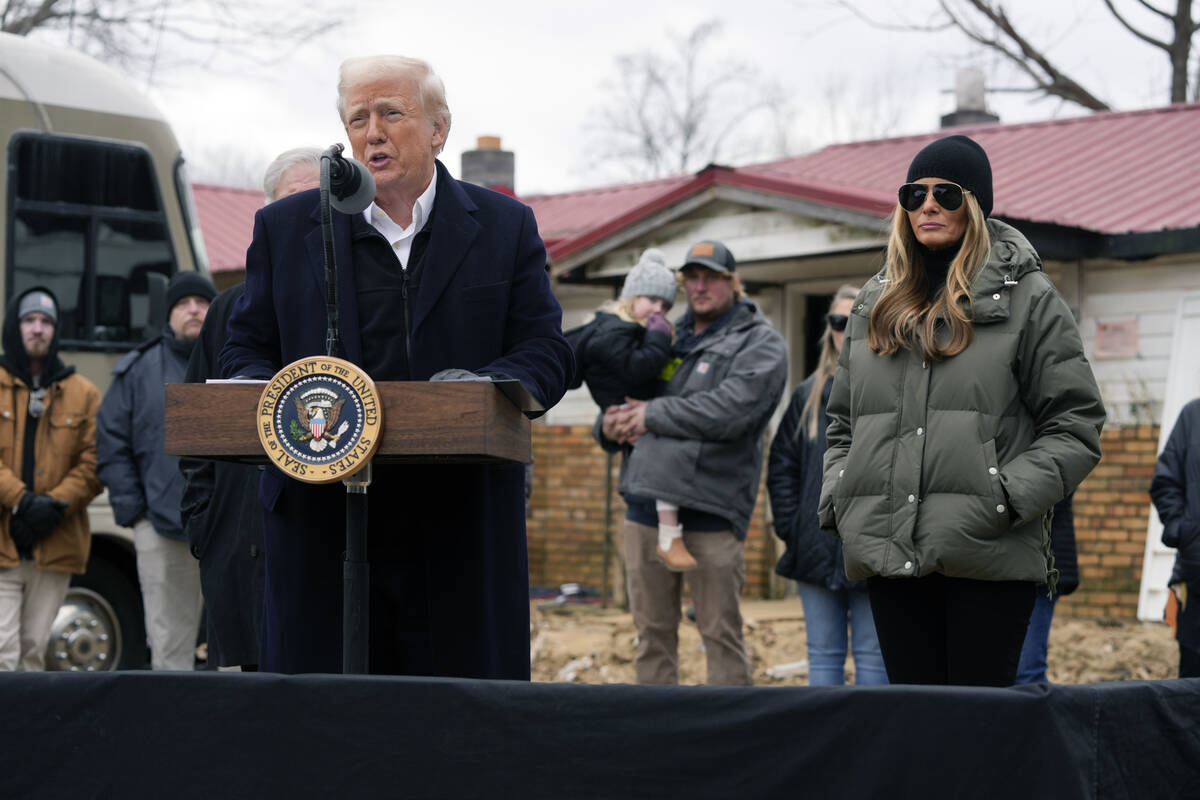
[963,408]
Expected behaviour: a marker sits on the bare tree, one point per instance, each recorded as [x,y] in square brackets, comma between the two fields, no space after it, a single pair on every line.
[986,23]
[854,110]
[145,37]
[677,114]
[1178,48]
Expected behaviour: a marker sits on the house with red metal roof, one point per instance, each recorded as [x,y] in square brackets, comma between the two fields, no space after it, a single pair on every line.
[1111,202]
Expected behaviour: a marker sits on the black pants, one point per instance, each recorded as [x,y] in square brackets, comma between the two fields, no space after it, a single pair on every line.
[1189,662]
[951,631]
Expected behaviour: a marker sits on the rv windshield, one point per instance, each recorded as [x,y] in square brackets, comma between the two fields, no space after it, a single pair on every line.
[87,220]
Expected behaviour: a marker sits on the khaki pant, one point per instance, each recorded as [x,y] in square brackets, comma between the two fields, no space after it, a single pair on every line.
[655,595]
[29,602]
[170,579]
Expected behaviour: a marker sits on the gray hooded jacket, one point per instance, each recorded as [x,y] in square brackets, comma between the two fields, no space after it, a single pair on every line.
[953,467]
[705,446]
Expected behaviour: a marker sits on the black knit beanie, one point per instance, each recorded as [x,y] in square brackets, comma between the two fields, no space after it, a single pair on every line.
[959,159]
[188,283]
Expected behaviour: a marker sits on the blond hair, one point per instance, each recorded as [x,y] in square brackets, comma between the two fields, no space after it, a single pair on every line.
[623,309]
[904,314]
[826,365]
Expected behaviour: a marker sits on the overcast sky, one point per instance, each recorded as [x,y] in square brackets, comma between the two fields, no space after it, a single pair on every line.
[529,71]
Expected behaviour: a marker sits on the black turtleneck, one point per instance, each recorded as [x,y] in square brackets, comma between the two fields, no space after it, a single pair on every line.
[937,266]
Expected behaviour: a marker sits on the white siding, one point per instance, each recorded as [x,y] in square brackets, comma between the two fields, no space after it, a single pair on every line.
[1133,388]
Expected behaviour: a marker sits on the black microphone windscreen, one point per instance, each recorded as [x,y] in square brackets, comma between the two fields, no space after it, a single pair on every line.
[362,197]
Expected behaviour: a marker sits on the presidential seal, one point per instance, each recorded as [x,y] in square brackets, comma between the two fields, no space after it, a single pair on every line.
[320,419]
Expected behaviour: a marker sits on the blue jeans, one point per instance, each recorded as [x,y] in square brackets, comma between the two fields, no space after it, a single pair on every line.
[1032,668]
[827,615]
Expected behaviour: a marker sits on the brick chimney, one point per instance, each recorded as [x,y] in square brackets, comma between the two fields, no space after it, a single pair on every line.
[970,99]
[487,165]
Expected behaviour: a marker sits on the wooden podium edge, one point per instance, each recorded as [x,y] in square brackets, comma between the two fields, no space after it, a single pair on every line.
[467,421]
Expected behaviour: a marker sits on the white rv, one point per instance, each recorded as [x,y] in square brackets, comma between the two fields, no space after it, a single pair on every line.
[94,203]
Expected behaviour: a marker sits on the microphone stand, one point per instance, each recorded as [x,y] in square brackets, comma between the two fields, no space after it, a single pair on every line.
[356,570]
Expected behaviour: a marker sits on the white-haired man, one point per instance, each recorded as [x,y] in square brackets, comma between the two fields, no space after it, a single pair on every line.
[438,279]
[292,171]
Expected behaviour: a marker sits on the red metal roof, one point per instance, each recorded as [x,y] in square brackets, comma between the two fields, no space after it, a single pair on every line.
[1113,173]
[226,218]
[583,216]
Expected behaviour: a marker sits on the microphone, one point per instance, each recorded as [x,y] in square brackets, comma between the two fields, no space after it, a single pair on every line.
[351,186]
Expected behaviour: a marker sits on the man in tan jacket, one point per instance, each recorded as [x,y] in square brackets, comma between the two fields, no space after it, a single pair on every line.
[47,477]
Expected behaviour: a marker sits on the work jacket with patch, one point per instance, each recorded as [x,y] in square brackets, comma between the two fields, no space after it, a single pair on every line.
[953,466]
[704,448]
[64,466]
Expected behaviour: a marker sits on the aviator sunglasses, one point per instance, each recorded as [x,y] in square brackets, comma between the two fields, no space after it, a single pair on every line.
[837,322]
[947,195]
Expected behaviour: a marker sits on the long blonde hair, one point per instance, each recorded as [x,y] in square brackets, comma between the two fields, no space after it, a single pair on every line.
[904,313]
[826,365]
[622,307]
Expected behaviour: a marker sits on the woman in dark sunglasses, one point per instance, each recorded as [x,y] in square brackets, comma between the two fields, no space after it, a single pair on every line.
[962,410]
[833,604]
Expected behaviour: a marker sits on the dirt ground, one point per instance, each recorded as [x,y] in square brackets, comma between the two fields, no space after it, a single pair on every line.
[589,644]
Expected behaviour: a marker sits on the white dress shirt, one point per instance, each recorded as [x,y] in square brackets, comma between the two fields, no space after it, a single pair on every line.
[401,239]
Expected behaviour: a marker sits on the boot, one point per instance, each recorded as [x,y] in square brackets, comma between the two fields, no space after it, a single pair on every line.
[671,550]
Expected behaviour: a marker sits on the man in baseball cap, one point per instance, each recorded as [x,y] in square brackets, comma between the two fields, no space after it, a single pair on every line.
[699,446]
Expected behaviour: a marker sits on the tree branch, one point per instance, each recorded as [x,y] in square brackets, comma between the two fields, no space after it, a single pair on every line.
[1146,5]
[132,33]
[1129,27]
[1052,80]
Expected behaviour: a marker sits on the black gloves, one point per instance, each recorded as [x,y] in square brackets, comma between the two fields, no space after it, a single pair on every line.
[22,536]
[39,513]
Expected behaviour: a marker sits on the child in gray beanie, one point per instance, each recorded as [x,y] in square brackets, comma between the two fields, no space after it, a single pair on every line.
[621,353]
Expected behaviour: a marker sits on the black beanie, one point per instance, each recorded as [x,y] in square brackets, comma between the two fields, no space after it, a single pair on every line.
[959,159]
[186,284]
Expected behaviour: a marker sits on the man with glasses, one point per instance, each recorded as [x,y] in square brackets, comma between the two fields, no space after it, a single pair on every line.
[700,446]
[144,483]
[47,477]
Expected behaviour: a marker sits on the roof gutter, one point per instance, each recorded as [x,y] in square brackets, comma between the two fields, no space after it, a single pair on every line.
[1060,242]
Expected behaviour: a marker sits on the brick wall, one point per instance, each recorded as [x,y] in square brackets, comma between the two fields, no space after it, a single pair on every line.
[1112,510]
[566,525]
[566,521]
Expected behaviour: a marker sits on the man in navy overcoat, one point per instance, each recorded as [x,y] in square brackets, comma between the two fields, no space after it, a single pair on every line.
[436,277]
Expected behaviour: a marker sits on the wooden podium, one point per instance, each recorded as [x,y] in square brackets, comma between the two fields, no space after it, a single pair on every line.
[423,422]
[470,421]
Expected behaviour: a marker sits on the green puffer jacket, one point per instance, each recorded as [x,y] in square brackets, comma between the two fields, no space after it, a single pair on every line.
[954,466]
